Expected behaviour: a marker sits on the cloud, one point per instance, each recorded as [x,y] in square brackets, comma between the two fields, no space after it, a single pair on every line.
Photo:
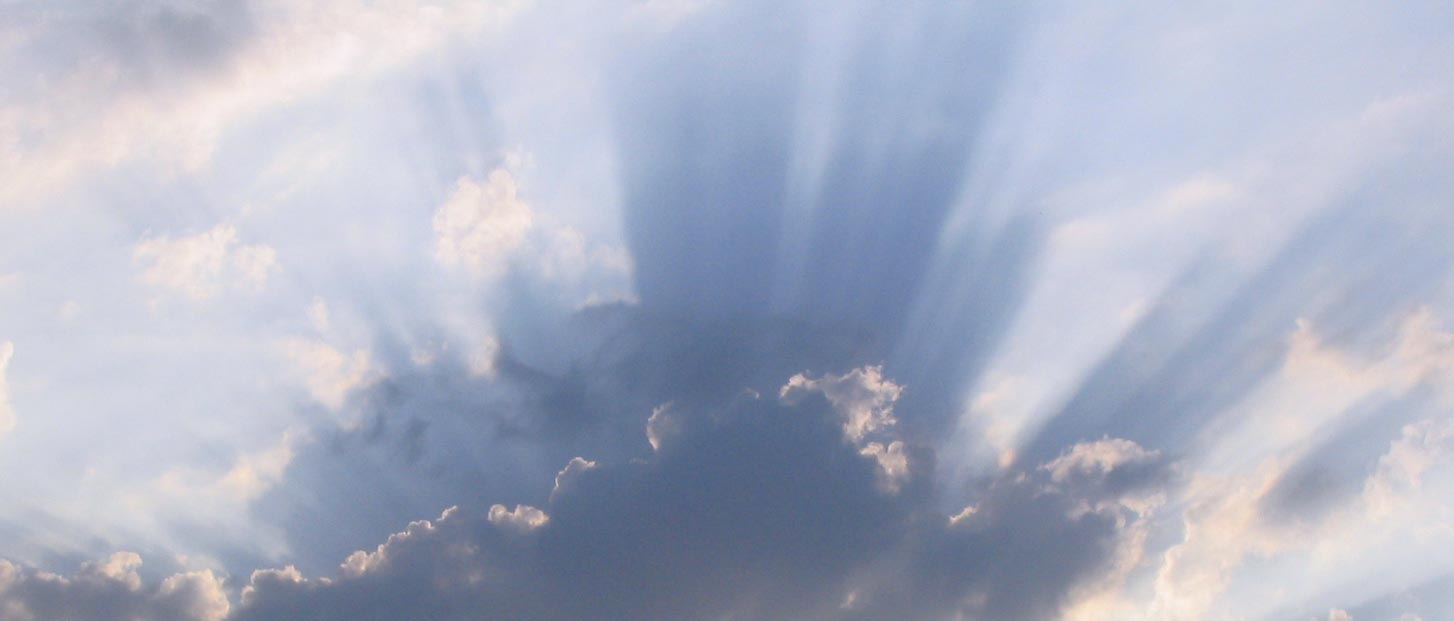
[245,480]
[1342,441]
[482,224]
[329,374]
[201,266]
[865,401]
[165,85]
[1185,284]
[862,396]
[7,411]
[522,518]
[1399,477]
[758,508]
[109,590]
[643,540]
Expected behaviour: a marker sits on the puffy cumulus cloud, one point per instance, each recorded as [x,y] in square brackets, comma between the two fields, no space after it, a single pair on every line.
[568,475]
[329,373]
[7,411]
[203,265]
[893,463]
[486,229]
[862,396]
[523,518]
[481,224]
[760,508]
[865,402]
[110,590]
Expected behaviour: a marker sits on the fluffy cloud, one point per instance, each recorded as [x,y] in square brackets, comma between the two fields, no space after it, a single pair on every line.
[481,224]
[201,266]
[329,374]
[862,396]
[864,399]
[109,590]
[485,229]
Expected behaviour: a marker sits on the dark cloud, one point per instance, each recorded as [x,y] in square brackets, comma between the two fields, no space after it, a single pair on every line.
[709,128]
[755,509]
[109,590]
[420,446]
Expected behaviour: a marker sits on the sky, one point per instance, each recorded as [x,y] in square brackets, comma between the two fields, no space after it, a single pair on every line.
[760,310]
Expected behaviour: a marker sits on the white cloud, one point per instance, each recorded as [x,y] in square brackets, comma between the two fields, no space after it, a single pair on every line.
[7,412]
[1369,541]
[329,373]
[660,425]
[522,519]
[567,475]
[864,400]
[1319,384]
[362,562]
[1098,458]
[893,464]
[249,476]
[202,266]
[481,224]
[862,396]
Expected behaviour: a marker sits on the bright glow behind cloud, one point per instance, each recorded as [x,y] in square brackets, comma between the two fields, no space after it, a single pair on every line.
[740,310]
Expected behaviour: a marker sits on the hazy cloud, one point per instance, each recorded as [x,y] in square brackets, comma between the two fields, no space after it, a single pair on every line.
[203,265]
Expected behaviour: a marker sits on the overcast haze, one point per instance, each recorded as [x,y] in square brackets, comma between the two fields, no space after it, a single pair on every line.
[693,309]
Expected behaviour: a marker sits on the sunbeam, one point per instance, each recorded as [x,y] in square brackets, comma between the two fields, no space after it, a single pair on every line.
[694,309]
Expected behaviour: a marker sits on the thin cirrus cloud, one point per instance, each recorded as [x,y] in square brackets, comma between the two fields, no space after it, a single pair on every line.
[689,310]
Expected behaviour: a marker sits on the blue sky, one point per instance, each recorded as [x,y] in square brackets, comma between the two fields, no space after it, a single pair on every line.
[692,309]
